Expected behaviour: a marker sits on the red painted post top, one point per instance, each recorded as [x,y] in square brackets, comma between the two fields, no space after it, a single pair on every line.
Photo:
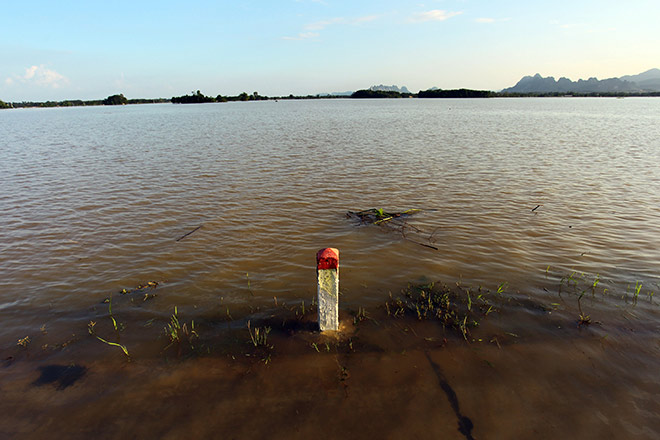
[327,258]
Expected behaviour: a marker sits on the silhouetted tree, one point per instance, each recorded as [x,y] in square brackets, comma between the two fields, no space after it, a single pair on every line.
[368,93]
[193,98]
[460,93]
[115,100]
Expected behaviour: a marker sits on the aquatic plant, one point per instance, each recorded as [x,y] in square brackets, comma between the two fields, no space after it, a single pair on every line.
[301,310]
[360,315]
[259,336]
[24,342]
[140,287]
[595,284]
[582,318]
[455,308]
[92,331]
[638,289]
[178,333]
[114,322]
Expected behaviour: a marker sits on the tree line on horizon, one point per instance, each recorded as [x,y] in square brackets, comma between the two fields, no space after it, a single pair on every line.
[119,99]
[197,97]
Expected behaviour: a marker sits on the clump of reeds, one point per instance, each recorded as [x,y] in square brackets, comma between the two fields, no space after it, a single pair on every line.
[455,308]
[179,334]
[259,336]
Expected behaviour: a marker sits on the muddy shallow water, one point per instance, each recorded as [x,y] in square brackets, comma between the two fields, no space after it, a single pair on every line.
[549,207]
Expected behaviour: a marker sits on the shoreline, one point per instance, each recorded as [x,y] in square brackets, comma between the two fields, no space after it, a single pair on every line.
[96,103]
[398,378]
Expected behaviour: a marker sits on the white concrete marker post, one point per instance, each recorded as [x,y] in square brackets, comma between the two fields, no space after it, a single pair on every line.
[327,274]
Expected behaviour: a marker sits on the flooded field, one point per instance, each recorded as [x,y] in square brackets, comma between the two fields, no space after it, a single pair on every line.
[157,270]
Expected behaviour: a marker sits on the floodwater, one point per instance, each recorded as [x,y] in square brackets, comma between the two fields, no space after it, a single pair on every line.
[549,207]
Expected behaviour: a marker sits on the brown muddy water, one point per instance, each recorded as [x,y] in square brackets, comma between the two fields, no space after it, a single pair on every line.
[536,213]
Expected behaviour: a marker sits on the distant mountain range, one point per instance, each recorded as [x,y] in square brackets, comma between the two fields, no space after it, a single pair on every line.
[378,88]
[648,81]
[384,88]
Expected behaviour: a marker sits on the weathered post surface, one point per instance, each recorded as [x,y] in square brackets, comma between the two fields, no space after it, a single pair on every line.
[327,274]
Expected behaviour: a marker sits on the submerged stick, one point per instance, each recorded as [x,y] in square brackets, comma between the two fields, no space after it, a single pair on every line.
[403,234]
[422,244]
[185,235]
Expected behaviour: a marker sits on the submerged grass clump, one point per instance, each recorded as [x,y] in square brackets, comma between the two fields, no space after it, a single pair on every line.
[259,340]
[259,336]
[457,308]
[179,334]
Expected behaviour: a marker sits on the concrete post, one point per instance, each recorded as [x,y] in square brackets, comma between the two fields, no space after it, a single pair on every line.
[327,274]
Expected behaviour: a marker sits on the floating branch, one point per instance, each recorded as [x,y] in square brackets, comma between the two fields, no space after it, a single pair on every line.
[379,216]
[185,235]
[141,287]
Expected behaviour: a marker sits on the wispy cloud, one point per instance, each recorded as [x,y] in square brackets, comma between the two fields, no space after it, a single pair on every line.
[40,76]
[303,36]
[491,20]
[433,15]
[312,29]
[320,25]
[366,19]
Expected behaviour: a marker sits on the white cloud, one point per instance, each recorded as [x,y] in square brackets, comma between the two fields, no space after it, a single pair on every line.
[313,28]
[366,19]
[303,36]
[433,15]
[491,20]
[30,72]
[320,25]
[41,76]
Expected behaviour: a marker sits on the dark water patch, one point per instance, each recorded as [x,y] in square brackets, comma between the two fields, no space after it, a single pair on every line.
[62,376]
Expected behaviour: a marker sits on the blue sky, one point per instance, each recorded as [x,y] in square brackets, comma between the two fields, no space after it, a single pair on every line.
[92,49]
